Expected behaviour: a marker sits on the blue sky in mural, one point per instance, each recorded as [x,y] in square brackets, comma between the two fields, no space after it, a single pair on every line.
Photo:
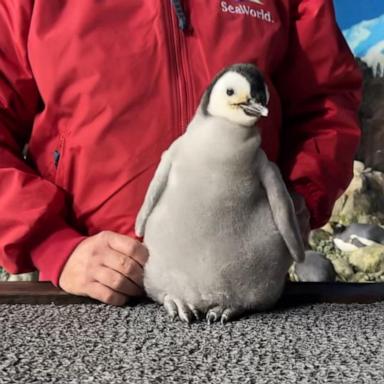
[351,12]
[362,23]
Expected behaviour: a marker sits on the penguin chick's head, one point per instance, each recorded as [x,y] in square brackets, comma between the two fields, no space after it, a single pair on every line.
[239,94]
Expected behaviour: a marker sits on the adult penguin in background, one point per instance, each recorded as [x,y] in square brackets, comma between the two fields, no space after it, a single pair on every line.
[217,218]
[357,236]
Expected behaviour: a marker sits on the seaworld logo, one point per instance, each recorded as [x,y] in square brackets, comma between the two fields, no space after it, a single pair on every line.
[247,10]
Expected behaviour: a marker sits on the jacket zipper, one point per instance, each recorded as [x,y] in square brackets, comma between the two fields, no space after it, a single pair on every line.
[178,56]
[186,72]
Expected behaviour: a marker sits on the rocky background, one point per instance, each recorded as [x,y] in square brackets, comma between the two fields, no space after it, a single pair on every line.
[371,151]
[350,247]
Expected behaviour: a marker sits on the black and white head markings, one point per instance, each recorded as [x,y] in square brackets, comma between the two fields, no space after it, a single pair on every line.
[239,94]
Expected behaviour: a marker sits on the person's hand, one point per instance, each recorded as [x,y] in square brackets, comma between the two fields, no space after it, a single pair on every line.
[107,267]
[303,216]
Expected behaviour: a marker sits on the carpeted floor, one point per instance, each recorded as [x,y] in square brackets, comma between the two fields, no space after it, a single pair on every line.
[89,343]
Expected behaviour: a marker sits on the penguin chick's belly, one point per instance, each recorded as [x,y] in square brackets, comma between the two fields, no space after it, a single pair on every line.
[215,248]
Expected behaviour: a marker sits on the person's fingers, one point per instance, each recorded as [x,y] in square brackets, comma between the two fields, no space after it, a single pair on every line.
[124,265]
[128,246]
[106,295]
[117,281]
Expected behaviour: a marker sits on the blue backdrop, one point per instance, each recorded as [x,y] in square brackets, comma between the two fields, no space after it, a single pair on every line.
[362,23]
[351,12]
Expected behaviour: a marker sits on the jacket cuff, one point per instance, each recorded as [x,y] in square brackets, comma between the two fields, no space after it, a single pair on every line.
[317,203]
[51,254]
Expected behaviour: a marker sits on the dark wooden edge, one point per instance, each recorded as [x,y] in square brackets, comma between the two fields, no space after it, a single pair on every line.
[295,293]
[26,292]
[341,293]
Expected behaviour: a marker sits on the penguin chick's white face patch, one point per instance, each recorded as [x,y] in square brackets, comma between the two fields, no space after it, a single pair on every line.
[231,98]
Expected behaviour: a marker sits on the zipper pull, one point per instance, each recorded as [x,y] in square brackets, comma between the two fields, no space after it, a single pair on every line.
[56,157]
[181,17]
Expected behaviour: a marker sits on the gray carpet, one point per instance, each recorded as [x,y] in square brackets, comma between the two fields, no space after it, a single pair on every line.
[325,343]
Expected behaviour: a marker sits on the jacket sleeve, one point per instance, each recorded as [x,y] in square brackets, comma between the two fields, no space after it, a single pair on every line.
[320,88]
[33,229]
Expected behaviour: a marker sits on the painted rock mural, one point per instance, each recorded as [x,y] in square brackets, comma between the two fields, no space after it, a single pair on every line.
[358,257]
[363,27]
[366,36]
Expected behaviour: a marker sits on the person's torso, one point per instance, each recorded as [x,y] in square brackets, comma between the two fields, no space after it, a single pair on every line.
[120,81]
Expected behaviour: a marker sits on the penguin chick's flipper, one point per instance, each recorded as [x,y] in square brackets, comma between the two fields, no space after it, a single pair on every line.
[282,208]
[155,189]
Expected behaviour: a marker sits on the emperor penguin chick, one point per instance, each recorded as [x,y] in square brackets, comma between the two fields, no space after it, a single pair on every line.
[217,218]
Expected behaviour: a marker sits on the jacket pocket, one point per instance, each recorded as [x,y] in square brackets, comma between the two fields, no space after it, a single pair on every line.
[58,161]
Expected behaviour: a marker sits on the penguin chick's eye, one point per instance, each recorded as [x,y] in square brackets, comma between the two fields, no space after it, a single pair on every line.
[230,92]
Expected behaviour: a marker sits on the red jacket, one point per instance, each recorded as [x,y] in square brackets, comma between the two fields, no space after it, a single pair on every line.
[100,88]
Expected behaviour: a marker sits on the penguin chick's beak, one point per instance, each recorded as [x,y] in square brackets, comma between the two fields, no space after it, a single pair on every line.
[252,108]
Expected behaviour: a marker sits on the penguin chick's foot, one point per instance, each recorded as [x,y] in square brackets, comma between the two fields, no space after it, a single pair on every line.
[178,308]
[219,313]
